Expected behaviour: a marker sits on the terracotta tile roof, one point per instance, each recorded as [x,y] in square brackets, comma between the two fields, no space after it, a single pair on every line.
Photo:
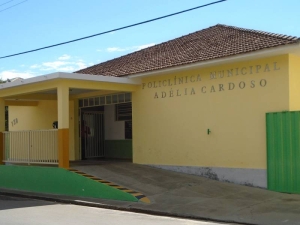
[211,43]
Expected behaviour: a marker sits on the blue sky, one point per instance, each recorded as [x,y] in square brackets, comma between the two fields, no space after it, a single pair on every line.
[36,23]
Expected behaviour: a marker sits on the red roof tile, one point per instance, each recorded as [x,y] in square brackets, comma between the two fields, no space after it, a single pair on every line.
[211,43]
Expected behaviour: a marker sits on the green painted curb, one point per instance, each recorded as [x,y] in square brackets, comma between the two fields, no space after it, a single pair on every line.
[57,181]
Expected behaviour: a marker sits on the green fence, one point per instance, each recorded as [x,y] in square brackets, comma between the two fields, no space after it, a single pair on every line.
[283,151]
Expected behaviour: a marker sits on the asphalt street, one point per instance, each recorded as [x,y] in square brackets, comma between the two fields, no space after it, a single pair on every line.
[22,211]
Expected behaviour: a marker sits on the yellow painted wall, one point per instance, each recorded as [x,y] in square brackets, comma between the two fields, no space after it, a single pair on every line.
[40,117]
[170,128]
[294,81]
[33,117]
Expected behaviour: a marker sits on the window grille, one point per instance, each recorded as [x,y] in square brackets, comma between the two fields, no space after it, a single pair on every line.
[6,118]
[124,112]
[105,100]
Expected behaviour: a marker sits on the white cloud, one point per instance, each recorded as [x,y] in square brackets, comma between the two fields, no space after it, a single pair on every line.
[144,46]
[64,57]
[81,65]
[55,65]
[132,48]
[9,74]
[116,49]
[35,66]
[62,65]
[67,69]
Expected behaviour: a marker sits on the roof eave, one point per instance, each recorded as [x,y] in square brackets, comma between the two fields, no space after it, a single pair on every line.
[70,76]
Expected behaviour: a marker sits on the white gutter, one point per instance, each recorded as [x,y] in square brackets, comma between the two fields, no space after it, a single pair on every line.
[292,48]
[70,76]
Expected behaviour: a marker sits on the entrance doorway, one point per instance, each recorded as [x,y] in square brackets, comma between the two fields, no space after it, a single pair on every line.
[92,135]
[106,127]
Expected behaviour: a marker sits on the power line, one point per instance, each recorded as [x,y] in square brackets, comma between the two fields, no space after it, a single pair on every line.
[116,29]
[6,2]
[12,5]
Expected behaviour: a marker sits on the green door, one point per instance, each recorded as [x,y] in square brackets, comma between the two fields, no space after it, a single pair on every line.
[283,151]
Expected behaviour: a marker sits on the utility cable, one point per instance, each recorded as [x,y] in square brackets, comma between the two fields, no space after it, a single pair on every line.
[12,5]
[6,2]
[117,29]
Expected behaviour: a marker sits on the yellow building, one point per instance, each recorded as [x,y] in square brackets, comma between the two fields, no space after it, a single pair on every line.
[196,104]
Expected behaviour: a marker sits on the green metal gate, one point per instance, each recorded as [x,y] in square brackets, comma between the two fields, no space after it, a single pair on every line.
[283,151]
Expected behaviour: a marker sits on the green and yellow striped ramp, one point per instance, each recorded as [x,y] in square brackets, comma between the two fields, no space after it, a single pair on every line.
[141,197]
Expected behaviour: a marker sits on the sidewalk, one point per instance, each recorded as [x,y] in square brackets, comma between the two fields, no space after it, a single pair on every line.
[181,195]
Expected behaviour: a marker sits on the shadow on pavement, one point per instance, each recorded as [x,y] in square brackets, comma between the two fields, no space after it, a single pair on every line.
[8,202]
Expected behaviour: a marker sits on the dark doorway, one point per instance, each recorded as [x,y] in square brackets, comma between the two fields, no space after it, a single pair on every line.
[92,133]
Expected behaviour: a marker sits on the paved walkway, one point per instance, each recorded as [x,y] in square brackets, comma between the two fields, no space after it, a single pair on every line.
[197,197]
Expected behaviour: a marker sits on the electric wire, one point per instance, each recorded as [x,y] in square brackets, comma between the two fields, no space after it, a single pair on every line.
[12,6]
[6,2]
[116,29]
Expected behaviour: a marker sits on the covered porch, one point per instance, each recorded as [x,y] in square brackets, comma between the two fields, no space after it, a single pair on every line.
[45,114]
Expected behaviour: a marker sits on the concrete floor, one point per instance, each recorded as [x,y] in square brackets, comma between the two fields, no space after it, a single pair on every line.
[188,195]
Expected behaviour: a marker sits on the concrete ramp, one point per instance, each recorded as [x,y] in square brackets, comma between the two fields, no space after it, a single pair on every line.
[58,181]
[141,197]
